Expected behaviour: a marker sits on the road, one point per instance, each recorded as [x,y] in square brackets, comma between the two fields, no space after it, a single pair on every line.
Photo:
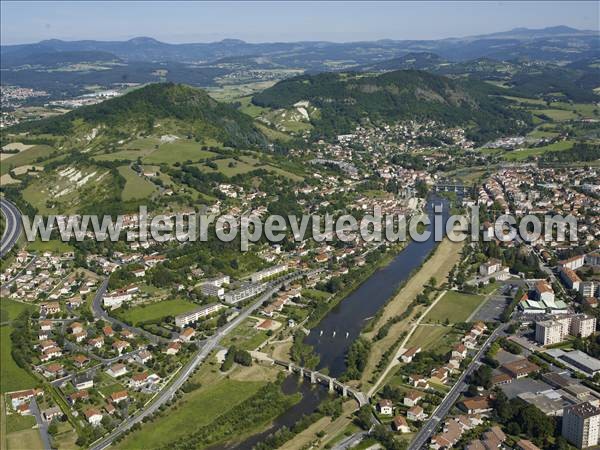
[425,433]
[13,226]
[350,441]
[210,344]
[42,425]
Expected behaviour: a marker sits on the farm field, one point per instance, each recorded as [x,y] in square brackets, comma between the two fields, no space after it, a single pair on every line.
[10,310]
[518,155]
[156,311]
[558,115]
[231,167]
[434,338]
[136,187]
[26,439]
[524,100]
[453,307]
[12,377]
[171,153]
[25,157]
[199,408]
[151,151]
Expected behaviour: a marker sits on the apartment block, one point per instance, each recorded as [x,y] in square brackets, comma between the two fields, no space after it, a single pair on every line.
[580,425]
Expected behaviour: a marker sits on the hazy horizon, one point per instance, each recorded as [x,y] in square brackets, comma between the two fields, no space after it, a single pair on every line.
[196,22]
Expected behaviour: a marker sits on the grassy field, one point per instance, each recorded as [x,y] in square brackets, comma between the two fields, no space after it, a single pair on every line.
[199,408]
[66,437]
[454,307]
[518,155]
[151,151]
[272,133]
[53,246]
[157,310]
[178,151]
[10,310]
[24,440]
[12,377]
[25,157]
[17,422]
[246,336]
[231,167]
[557,115]
[526,101]
[136,187]
[434,338]
[542,132]
[247,107]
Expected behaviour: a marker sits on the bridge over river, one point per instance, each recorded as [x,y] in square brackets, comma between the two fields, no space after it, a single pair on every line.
[316,377]
[452,187]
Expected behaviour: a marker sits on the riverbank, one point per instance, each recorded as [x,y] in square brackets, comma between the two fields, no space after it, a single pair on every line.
[366,273]
[438,266]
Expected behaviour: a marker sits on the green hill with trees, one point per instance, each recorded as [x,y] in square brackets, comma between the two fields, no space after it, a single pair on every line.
[348,99]
[185,109]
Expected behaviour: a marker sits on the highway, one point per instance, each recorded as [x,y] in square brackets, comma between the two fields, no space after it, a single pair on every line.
[425,433]
[13,226]
[210,344]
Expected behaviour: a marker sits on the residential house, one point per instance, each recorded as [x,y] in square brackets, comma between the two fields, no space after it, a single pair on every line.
[93,416]
[119,396]
[409,354]
[477,405]
[385,407]
[173,348]
[411,398]
[187,334]
[400,425]
[82,382]
[117,370]
[415,413]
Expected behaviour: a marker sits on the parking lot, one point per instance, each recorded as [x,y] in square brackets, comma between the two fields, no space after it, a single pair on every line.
[492,309]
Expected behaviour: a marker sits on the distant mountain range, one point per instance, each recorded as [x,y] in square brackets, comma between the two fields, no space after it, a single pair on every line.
[554,43]
[537,62]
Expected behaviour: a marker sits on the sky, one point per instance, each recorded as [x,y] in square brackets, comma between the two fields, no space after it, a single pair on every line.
[268,21]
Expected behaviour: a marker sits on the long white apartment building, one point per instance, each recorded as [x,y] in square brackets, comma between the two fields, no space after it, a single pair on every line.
[185,319]
[244,292]
[214,286]
[268,272]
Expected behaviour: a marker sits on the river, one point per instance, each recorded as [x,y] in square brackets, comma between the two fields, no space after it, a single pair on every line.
[343,324]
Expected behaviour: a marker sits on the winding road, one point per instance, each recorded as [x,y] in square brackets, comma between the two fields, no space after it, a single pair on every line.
[13,228]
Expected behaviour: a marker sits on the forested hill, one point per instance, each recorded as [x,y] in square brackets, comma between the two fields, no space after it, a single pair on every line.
[184,109]
[347,99]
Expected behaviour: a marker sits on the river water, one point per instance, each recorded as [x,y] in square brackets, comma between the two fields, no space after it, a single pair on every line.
[332,337]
